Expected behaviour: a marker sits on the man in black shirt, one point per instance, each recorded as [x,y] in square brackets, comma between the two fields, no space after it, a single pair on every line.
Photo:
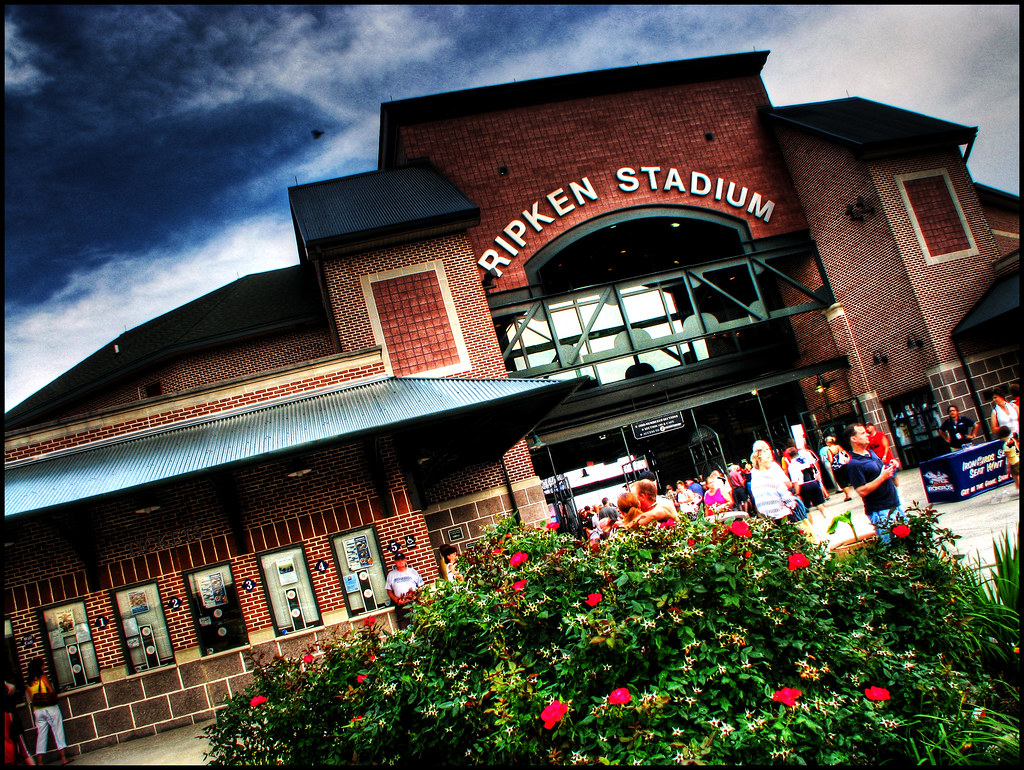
[958,431]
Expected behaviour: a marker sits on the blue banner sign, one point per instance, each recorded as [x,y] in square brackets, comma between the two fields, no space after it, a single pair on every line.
[966,473]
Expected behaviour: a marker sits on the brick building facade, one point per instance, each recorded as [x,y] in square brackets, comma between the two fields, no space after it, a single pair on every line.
[533,269]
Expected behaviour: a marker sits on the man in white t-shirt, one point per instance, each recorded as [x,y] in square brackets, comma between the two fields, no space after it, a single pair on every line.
[401,586]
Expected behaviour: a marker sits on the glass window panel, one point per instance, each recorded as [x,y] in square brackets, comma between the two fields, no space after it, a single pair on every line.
[143,627]
[644,306]
[361,569]
[289,590]
[219,622]
[69,638]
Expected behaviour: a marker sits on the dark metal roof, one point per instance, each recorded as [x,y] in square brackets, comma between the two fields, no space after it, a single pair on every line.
[1001,303]
[256,304]
[502,411]
[474,101]
[871,127]
[364,207]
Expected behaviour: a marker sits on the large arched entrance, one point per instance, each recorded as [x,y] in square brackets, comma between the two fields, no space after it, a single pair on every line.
[664,311]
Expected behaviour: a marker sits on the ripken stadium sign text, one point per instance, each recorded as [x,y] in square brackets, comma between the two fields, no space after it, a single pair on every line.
[560,202]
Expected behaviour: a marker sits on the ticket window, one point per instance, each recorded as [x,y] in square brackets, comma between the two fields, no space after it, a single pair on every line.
[361,570]
[289,590]
[220,625]
[69,637]
[143,627]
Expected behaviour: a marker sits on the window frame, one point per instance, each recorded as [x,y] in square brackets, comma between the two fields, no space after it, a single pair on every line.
[929,258]
[384,603]
[158,608]
[60,684]
[265,579]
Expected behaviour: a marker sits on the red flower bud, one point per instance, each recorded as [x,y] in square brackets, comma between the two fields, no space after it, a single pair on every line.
[258,700]
[787,696]
[620,697]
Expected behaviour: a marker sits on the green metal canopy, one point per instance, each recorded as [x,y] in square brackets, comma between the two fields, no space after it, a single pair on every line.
[481,419]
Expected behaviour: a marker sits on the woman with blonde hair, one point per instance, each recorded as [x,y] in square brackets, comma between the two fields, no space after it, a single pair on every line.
[769,487]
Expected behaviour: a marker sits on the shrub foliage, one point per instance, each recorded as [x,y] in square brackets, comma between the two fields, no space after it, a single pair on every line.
[710,643]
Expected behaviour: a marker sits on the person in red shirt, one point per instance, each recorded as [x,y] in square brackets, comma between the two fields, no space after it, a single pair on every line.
[878,443]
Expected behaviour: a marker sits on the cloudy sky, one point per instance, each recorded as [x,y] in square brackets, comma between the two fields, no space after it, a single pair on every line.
[148,149]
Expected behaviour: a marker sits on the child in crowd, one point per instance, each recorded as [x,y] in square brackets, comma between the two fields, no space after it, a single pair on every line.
[1012,451]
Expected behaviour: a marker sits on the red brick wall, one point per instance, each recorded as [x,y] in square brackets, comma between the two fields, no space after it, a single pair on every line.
[547,147]
[207,367]
[415,323]
[345,294]
[176,413]
[876,268]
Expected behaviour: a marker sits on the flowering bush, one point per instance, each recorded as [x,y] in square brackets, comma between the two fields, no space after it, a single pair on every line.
[710,643]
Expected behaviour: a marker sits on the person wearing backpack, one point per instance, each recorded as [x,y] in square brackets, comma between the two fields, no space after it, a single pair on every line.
[41,697]
[837,461]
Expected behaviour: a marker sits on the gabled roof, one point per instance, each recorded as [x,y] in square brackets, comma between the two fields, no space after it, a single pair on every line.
[871,128]
[471,419]
[378,206]
[516,95]
[256,304]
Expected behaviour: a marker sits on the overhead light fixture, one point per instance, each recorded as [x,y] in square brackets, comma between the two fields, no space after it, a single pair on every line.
[880,358]
[859,210]
[296,469]
[502,170]
[914,342]
[148,504]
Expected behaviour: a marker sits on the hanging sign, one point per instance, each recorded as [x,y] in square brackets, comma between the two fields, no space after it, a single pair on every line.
[657,425]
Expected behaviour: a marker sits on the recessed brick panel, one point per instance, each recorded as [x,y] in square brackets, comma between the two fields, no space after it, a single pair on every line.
[936,215]
[414,320]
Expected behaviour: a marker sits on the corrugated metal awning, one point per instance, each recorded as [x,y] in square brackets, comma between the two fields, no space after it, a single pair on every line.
[384,407]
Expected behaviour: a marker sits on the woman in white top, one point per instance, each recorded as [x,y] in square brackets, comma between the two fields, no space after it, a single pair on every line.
[1004,413]
[770,488]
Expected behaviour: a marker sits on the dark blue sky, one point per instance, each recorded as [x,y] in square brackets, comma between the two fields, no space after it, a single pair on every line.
[148,149]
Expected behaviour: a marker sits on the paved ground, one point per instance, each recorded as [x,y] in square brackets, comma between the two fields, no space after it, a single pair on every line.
[978,521]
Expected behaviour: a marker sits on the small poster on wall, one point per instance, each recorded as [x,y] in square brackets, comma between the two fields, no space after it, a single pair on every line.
[212,590]
[138,602]
[66,621]
[286,573]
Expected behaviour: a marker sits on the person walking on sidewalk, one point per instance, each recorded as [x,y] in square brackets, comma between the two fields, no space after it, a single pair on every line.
[41,697]
[873,481]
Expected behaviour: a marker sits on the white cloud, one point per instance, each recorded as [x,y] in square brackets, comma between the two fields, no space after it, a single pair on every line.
[21,73]
[97,306]
[957,63]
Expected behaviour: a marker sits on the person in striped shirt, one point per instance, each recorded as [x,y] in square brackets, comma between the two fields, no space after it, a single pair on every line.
[770,488]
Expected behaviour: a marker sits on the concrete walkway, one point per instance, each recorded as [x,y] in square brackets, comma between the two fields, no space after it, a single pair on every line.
[978,520]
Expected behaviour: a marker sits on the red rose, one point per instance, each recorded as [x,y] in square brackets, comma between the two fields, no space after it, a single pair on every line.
[787,696]
[369,621]
[552,525]
[798,561]
[690,541]
[740,528]
[259,700]
[593,599]
[877,693]
[519,585]
[552,713]
[307,658]
[666,523]
[620,697]
[360,678]
[901,530]
[518,558]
